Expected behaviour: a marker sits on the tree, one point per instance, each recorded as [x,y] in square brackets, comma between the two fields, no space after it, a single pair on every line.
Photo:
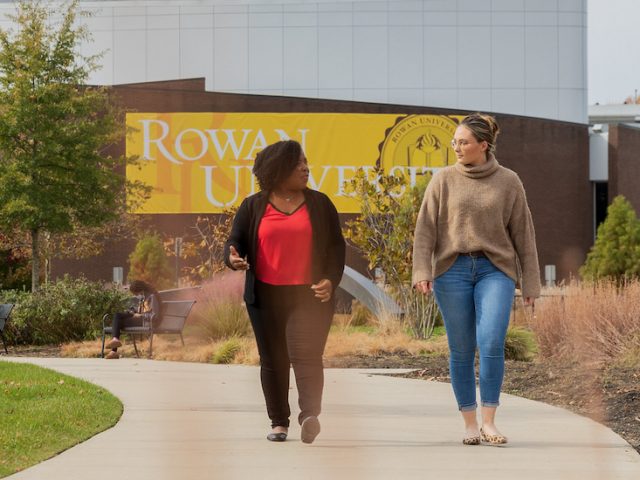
[14,264]
[203,246]
[56,173]
[616,252]
[148,262]
[87,241]
[384,231]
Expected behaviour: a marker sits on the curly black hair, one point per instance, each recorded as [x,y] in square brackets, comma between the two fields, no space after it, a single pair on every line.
[276,163]
[138,286]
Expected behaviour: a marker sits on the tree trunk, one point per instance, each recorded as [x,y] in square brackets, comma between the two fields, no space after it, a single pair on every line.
[35,259]
[47,257]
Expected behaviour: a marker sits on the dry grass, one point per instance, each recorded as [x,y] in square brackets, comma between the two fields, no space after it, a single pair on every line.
[344,340]
[630,358]
[596,322]
[343,343]
[169,347]
[385,335]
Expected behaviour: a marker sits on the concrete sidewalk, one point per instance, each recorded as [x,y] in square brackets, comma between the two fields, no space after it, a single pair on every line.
[197,421]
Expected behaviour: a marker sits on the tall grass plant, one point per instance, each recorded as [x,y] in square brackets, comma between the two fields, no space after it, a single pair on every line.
[594,321]
[220,311]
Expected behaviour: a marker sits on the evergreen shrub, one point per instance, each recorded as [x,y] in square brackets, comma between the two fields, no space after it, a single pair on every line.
[616,252]
[149,262]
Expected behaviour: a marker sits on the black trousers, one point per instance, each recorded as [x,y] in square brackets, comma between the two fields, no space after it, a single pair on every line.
[291,328]
[123,319]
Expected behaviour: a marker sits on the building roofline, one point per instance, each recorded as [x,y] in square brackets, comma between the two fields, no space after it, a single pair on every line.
[625,113]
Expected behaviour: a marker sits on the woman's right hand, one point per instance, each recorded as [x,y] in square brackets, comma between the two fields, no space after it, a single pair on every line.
[424,286]
[236,261]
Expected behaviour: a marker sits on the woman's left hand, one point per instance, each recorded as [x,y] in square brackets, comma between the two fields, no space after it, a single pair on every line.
[323,289]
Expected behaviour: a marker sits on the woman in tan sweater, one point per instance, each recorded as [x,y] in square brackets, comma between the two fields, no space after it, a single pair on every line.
[473,234]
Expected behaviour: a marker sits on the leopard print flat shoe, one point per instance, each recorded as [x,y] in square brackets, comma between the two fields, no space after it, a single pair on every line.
[493,439]
[471,440]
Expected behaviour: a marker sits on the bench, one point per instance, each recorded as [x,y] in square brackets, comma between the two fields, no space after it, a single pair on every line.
[5,312]
[171,321]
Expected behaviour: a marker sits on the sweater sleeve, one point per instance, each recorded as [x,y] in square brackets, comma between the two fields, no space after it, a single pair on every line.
[425,234]
[523,236]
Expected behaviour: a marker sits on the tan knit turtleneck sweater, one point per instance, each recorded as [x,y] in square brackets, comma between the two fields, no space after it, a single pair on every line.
[471,208]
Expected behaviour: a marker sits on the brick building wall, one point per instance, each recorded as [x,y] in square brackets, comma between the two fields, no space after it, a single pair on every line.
[551,157]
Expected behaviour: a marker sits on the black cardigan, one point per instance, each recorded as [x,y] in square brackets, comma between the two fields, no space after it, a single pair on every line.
[328,249]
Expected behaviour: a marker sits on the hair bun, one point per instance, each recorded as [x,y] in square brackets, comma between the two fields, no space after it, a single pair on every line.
[493,124]
[484,128]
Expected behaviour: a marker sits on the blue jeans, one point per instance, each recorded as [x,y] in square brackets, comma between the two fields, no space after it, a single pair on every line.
[475,300]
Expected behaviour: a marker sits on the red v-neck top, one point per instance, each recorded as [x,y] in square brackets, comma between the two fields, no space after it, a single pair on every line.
[284,247]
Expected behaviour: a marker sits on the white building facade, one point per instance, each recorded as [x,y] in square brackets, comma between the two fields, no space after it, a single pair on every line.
[523,57]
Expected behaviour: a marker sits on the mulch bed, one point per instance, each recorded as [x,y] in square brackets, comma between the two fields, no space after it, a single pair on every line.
[609,395]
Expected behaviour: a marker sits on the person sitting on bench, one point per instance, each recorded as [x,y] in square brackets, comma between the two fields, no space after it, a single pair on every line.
[147,310]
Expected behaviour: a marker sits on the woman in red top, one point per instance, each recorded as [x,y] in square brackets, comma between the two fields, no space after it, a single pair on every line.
[288,239]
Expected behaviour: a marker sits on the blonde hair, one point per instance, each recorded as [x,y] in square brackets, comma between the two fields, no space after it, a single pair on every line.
[484,128]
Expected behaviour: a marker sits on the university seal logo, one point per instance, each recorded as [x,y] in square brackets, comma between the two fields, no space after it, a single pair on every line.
[419,141]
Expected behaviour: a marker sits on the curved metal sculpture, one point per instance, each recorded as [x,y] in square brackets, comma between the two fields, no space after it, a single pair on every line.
[368,293]
[353,282]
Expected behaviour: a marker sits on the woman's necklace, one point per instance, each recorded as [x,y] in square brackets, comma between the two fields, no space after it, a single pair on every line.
[286,199]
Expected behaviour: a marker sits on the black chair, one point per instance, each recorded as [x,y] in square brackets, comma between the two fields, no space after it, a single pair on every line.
[5,312]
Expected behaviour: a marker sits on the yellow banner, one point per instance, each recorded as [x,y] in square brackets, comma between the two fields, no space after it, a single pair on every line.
[201,162]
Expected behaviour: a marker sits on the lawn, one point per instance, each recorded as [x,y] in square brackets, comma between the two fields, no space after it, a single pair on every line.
[43,413]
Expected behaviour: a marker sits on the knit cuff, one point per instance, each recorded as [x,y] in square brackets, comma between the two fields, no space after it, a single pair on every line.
[530,287]
[421,275]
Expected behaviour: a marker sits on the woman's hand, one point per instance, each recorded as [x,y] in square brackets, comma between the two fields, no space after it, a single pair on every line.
[323,289]
[236,261]
[424,286]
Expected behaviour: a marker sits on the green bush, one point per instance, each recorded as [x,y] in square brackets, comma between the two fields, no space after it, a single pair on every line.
[67,310]
[520,344]
[227,351]
[383,233]
[149,262]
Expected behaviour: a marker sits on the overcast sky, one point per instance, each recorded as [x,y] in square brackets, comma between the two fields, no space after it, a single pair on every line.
[613,50]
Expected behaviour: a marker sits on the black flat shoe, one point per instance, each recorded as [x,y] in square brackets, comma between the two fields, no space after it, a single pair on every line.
[277,437]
